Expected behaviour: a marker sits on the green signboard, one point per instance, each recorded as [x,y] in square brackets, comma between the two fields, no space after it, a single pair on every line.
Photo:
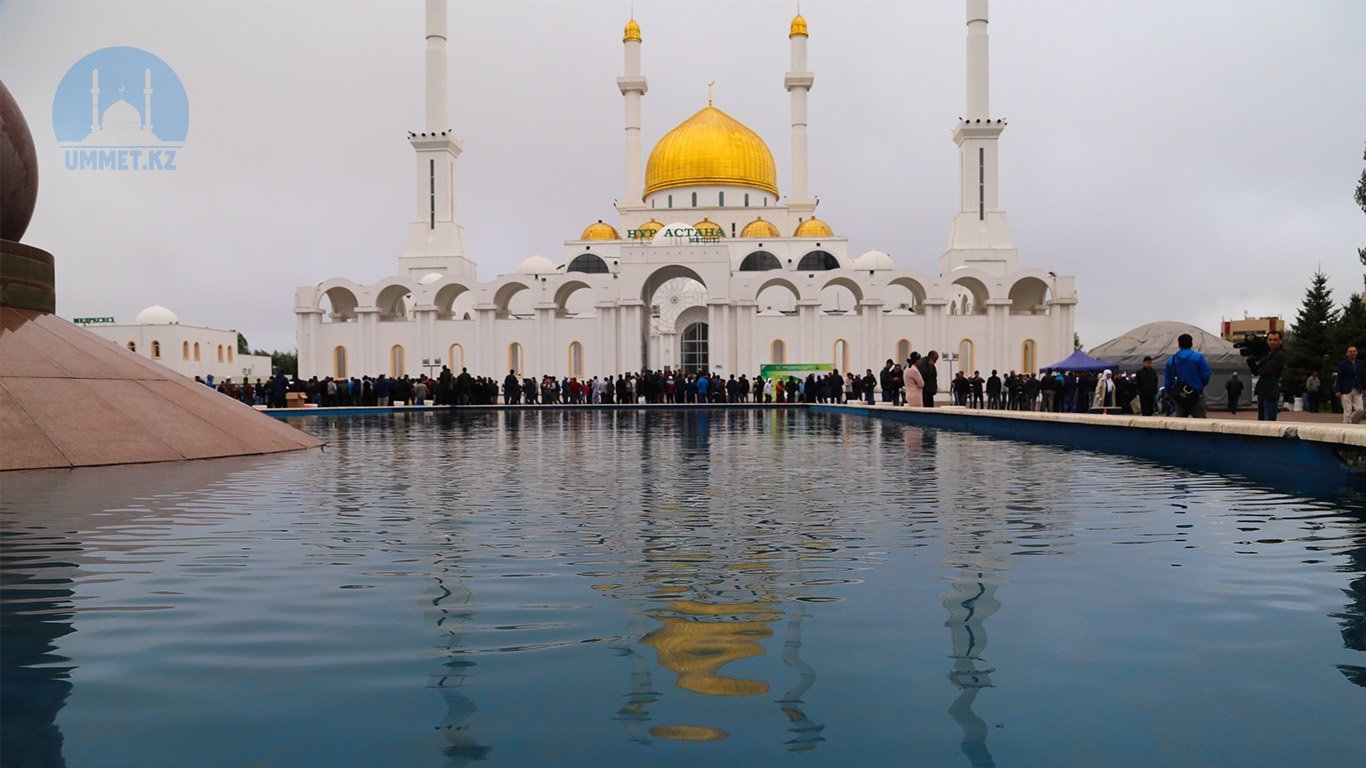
[93,320]
[798,370]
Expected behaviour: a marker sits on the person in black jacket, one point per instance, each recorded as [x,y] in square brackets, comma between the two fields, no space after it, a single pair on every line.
[1146,378]
[1269,368]
[931,376]
[1234,388]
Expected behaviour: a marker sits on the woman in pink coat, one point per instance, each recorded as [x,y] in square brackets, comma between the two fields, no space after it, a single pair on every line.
[915,383]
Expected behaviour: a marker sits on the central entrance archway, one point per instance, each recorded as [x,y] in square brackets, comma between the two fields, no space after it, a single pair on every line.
[674,296]
[695,348]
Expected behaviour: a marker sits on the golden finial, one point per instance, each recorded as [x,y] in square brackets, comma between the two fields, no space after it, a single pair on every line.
[798,24]
[632,31]
[709,87]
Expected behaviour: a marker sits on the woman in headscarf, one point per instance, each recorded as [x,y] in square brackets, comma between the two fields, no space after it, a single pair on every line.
[915,383]
[1105,391]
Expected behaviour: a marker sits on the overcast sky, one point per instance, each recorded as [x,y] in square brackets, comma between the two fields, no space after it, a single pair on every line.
[1185,160]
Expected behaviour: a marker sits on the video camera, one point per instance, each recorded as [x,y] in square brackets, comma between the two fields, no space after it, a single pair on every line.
[1253,346]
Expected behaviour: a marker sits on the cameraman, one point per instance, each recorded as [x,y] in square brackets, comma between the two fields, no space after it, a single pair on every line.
[1269,368]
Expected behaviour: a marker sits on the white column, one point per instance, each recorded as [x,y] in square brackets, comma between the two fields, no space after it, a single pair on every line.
[94,100]
[147,100]
[370,355]
[487,360]
[436,66]
[632,85]
[977,60]
[632,313]
[872,354]
[719,336]
[745,353]
[798,82]
[544,359]
[604,350]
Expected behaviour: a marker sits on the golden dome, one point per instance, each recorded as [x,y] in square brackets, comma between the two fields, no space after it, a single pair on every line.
[633,32]
[708,228]
[798,27]
[600,231]
[759,228]
[813,227]
[711,148]
[649,229]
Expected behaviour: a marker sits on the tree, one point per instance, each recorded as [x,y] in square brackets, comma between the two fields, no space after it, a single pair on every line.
[1076,340]
[285,362]
[1350,328]
[242,347]
[1361,201]
[1309,347]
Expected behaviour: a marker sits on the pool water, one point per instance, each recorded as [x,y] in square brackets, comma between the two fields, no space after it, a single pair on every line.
[617,588]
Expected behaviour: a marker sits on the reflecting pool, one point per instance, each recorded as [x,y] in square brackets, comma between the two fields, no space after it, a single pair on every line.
[676,588]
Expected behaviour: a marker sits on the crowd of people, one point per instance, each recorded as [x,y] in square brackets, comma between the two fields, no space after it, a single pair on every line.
[1178,390]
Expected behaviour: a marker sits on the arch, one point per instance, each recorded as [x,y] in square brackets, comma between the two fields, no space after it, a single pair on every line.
[817,261]
[339,362]
[695,347]
[1029,356]
[841,296]
[777,352]
[905,291]
[841,355]
[1029,295]
[572,290]
[184,349]
[446,298]
[342,304]
[156,350]
[589,263]
[975,291]
[133,347]
[502,298]
[760,261]
[516,357]
[229,348]
[455,357]
[575,359]
[196,351]
[397,363]
[220,353]
[775,283]
[392,301]
[967,355]
[903,350]
[663,275]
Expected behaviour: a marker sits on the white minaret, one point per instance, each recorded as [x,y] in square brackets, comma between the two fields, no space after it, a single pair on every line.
[94,100]
[147,100]
[435,243]
[798,83]
[980,236]
[632,85]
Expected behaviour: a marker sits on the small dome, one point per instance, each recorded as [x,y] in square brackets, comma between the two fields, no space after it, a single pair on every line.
[798,27]
[157,315]
[121,115]
[813,227]
[648,230]
[874,260]
[708,228]
[600,231]
[536,265]
[431,277]
[632,32]
[760,228]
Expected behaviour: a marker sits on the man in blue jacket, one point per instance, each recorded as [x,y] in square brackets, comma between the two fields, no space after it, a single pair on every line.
[1350,384]
[1186,379]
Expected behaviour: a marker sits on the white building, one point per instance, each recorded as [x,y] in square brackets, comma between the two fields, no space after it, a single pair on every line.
[708,264]
[189,350]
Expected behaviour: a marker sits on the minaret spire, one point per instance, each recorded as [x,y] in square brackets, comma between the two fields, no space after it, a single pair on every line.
[632,86]
[980,236]
[798,82]
[435,242]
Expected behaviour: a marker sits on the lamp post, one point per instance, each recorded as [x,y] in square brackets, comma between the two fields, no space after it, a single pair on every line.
[431,364]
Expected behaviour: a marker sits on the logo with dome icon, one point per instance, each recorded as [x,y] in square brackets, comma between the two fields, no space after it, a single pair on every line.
[103,112]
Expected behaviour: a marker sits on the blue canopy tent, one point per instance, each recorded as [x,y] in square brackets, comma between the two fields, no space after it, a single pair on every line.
[1079,361]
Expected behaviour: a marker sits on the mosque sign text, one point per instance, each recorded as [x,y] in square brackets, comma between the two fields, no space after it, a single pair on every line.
[93,320]
[692,235]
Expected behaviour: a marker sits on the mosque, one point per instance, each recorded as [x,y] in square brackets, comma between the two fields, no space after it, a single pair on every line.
[706,265]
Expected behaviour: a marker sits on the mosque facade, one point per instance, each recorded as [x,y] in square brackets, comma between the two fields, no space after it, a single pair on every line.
[707,264]
[190,350]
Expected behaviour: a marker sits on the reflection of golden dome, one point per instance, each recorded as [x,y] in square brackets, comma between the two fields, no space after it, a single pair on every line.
[696,649]
[760,228]
[649,229]
[813,227]
[633,32]
[708,228]
[798,27]
[711,148]
[688,732]
[600,231]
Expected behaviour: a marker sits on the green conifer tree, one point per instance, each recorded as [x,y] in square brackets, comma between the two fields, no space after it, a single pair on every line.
[1309,347]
